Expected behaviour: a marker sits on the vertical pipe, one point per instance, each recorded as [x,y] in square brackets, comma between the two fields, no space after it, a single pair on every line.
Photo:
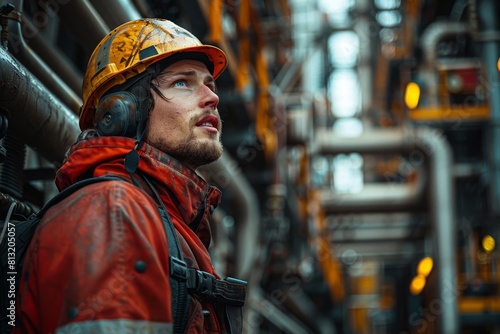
[488,31]
[229,178]
[443,213]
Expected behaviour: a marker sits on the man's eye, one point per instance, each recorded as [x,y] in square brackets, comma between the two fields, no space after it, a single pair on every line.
[180,83]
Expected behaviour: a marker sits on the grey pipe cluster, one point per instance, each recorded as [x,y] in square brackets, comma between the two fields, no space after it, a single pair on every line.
[434,146]
[44,122]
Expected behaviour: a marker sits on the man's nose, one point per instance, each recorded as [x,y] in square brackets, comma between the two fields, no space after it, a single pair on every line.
[209,97]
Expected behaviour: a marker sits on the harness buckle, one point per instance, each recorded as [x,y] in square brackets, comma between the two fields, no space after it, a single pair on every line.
[229,291]
[200,282]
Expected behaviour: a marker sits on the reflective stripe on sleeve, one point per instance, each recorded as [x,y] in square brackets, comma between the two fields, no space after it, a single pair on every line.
[116,326]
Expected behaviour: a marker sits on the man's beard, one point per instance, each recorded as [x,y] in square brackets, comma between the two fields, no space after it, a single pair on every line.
[196,153]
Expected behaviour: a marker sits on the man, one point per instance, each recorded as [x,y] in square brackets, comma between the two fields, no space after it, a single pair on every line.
[100,261]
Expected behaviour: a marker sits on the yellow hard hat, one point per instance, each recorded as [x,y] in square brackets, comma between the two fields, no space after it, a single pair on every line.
[130,49]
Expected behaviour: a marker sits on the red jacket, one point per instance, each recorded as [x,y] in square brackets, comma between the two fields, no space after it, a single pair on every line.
[99,259]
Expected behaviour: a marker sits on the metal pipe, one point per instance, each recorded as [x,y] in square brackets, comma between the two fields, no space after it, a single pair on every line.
[288,75]
[55,59]
[488,36]
[284,321]
[432,35]
[443,212]
[36,115]
[375,197]
[370,142]
[228,177]
[143,8]
[434,146]
[38,67]
[116,12]
[435,32]
[95,27]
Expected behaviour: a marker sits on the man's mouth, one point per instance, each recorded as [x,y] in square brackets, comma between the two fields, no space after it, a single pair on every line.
[208,121]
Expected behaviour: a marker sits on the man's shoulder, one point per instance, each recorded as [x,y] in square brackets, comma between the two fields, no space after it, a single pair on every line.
[96,197]
[99,207]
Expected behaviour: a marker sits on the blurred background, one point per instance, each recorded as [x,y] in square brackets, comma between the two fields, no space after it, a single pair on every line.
[360,177]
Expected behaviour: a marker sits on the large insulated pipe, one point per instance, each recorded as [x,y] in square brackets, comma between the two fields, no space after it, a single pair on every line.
[36,116]
[84,22]
[226,174]
[436,149]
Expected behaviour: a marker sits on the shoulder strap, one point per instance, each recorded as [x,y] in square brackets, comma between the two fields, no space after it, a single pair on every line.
[178,267]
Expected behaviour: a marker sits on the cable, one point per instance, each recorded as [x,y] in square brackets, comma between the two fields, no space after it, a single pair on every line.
[7,219]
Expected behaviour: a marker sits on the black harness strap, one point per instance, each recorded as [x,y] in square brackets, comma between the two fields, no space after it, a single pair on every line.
[71,189]
[180,300]
[234,315]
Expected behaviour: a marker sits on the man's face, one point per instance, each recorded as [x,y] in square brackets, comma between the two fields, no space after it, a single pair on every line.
[185,122]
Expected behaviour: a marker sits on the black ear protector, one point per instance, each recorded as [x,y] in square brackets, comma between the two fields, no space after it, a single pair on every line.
[117,115]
